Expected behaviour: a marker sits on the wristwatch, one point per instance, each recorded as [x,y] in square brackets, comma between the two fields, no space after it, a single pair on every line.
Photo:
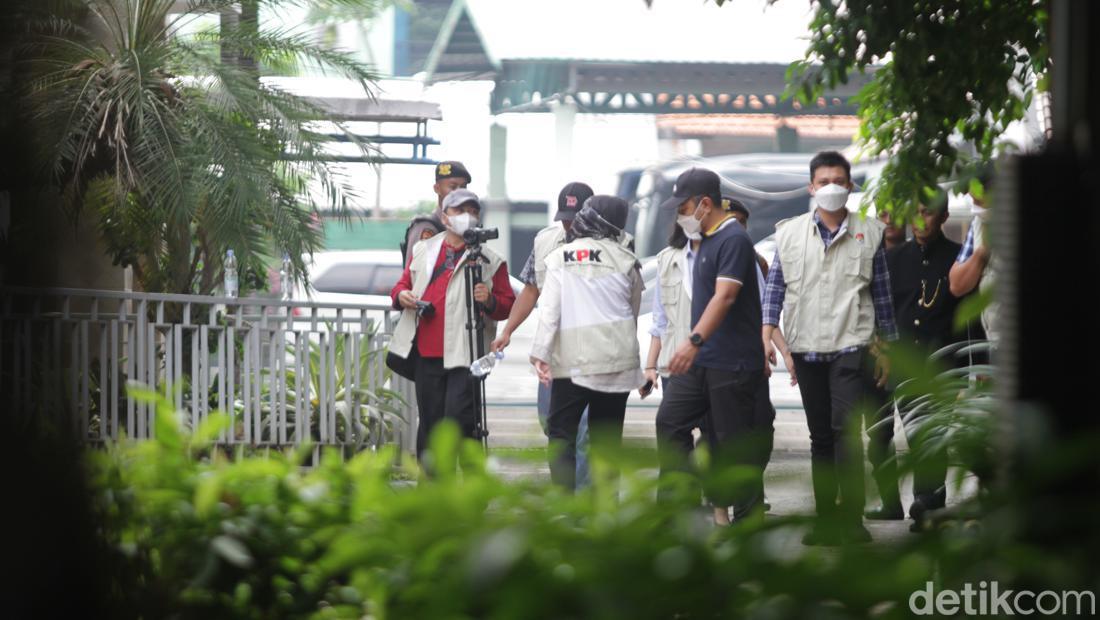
[696,340]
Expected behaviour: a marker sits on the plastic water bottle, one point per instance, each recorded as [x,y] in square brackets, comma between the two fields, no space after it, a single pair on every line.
[484,365]
[231,280]
[285,290]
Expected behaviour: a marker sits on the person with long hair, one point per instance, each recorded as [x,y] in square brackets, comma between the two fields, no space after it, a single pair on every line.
[586,347]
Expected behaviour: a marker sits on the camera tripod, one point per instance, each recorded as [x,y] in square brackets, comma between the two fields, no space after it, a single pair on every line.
[475,330]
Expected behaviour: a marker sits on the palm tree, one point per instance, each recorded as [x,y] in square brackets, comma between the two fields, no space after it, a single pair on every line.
[178,151]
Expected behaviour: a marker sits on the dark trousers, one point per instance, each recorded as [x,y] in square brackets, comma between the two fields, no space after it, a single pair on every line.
[929,473]
[879,419]
[442,393]
[764,425]
[738,431]
[832,392]
[606,412]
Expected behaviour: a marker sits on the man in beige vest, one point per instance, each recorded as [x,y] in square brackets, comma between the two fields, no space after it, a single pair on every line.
[830,282]
[437,339]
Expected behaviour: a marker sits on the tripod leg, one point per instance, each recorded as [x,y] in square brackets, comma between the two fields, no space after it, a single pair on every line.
[475,329]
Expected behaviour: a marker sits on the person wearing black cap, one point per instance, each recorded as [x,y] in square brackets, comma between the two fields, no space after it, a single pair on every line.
[449,176]
[765,411]
[586,345]
[570,200]
[719,368]
[436,342]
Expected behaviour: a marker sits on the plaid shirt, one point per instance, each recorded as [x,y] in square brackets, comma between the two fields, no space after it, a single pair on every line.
[527,276]
[967,249]
[776,290]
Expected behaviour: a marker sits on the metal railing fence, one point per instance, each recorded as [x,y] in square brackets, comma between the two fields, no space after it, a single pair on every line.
[283,371]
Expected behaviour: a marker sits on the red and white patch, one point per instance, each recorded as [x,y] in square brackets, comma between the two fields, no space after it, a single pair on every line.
[571,202]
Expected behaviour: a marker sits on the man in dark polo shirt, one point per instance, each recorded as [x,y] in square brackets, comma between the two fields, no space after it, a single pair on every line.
[925,312]
[717,372]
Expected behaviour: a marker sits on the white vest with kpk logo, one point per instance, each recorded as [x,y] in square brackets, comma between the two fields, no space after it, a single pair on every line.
[597,331]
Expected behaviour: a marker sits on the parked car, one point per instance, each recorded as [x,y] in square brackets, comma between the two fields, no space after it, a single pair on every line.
[774,186]
[356,277]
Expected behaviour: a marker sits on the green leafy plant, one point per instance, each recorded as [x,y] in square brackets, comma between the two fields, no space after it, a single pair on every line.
[196,534]
[948,79]
[370,414]
[174,144]
[950,410]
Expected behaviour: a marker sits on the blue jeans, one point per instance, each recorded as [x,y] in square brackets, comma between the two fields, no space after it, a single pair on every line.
[582,434]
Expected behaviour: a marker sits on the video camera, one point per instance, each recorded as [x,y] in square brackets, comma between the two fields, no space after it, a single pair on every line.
[478,236]
[425,309]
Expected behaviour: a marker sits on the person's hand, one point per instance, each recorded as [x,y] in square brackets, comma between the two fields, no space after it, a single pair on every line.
[769,358]
[651,379]
[407,300]
[542,369]
[481,293]
[683,359]
[502,341]
[788,361]
[882,368]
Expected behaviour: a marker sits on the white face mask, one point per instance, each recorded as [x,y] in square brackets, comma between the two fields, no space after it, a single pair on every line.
[832,197]
[692,227]
[461,223]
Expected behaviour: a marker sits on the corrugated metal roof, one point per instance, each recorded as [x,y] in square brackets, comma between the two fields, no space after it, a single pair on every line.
[626,30]
[700,125]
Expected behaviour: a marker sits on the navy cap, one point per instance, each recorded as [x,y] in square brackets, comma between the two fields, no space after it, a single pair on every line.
[451,169]
[693,182]
[571,199]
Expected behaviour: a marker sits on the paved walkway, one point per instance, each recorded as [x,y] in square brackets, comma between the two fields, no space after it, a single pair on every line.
[786,483]
[513,419]
[517,438]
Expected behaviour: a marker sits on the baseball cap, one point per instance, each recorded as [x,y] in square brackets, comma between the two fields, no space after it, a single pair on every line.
[460,197]
[451,169]
[693,182]
[571,199]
